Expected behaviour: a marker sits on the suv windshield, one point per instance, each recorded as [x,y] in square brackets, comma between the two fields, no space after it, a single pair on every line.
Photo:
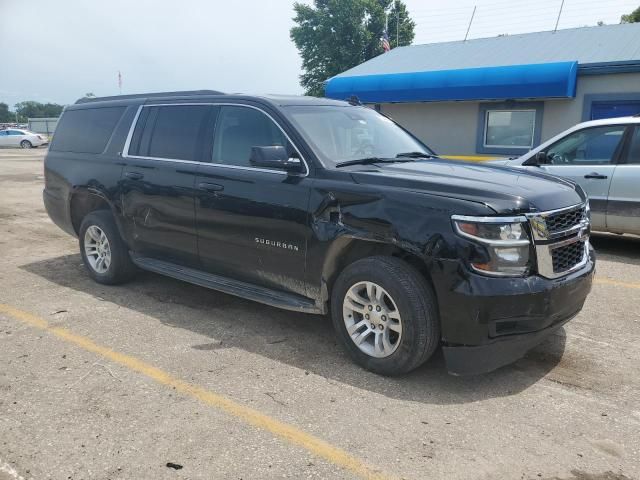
[338,134]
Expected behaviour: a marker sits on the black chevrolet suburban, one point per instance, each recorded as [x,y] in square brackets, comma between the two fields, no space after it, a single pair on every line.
[323,206]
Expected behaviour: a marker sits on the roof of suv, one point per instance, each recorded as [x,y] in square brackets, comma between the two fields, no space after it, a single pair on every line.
[276,100]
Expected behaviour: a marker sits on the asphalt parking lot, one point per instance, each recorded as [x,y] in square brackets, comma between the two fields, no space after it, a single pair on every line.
[160,379]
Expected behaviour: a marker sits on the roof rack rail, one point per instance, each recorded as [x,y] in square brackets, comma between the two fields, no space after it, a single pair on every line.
[186,93]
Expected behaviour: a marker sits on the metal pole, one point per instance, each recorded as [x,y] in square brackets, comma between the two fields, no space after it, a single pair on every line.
[470,22]
[558,20]
[397,25]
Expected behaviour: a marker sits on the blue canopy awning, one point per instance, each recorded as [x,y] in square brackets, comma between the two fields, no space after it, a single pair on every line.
[543,80]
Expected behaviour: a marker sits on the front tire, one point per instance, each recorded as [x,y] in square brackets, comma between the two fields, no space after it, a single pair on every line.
[26,144]
[385,314]
[104,253]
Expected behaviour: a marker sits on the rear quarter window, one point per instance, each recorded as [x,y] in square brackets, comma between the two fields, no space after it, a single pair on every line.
[86,130]
[170,131]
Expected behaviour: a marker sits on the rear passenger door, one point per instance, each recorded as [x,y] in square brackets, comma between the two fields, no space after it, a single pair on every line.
[253,224]
[158,194]
[623,206]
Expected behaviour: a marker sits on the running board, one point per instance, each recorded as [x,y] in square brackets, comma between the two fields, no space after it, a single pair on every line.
[287,301]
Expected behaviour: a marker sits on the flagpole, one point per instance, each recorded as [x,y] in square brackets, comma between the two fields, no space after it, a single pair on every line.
[397,25]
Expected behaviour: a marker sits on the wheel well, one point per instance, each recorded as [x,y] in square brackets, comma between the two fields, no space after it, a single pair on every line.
[352,250]
[83,203]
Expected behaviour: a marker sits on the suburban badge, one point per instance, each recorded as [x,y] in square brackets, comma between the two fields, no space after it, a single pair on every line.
[277,244]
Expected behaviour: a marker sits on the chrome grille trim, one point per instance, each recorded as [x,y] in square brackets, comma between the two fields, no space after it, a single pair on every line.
[543,228]
[576,220]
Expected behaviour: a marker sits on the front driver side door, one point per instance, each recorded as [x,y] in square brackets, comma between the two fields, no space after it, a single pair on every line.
[253,223]
[588,157]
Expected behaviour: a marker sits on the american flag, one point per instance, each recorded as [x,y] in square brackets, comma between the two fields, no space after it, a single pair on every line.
[386,46]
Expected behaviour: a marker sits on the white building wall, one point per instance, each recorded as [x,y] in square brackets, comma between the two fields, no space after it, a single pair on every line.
[450,128]
[447,127]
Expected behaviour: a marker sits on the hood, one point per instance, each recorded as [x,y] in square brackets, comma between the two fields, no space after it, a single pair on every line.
[503,189]
[504,161]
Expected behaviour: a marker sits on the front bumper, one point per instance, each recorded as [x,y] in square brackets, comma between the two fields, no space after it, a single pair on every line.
[478,359]
[489,322]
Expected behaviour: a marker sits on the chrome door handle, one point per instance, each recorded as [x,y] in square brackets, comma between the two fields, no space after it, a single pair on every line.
[595,175]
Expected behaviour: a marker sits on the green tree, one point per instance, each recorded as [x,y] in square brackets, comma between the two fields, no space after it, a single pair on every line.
[633,17]
[335,35]
[51,110]
[5,115]
[31,109]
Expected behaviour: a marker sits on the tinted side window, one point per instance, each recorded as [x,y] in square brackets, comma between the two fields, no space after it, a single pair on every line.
[591,146]
[87,130]
[634,150]
[240,128]
[170,131]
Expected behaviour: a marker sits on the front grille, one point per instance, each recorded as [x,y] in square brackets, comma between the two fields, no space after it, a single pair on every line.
[561,221]
[568,256]
[560,239]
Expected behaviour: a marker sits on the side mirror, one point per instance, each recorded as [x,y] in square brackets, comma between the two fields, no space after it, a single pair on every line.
[542,158]
[275,156]
[538,159]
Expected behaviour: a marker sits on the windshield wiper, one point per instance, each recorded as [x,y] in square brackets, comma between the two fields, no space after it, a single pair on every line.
[370,160]
[416,155]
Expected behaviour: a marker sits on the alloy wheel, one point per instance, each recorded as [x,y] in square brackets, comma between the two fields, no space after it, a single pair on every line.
[97,249]
[372,319]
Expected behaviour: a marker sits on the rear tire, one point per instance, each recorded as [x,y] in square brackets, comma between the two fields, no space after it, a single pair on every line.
[104,253]
[401,329]
[26,144]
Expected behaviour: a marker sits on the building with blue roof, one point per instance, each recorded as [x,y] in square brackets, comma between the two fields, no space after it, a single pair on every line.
[502,95]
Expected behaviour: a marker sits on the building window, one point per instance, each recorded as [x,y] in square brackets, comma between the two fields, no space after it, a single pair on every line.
[509,129]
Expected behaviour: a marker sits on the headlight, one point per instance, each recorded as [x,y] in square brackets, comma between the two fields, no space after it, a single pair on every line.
[505,240]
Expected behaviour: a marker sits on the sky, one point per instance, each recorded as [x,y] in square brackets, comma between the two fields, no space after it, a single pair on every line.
[56,51]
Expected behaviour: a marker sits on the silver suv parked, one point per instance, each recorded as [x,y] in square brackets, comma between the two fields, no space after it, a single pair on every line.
[603,156]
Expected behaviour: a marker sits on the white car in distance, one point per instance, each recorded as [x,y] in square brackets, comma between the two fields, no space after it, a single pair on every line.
[16,137]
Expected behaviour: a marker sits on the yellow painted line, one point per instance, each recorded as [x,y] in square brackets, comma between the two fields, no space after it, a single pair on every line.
[248,415]
[616,283]
[470,158]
